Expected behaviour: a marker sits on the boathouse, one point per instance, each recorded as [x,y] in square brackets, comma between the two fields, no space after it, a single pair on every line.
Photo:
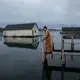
[18,30]
[70,33]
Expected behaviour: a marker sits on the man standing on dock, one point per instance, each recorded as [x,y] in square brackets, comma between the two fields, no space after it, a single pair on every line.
[47,42]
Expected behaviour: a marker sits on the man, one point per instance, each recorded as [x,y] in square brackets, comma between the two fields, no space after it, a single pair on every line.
[47,44]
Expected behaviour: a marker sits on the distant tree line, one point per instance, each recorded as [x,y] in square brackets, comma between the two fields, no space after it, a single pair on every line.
[50,29]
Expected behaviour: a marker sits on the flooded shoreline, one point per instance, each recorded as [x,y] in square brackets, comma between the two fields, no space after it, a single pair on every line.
[21,58]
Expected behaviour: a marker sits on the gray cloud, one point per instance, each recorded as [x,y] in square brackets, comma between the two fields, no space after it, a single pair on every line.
[45,11]
[73,12]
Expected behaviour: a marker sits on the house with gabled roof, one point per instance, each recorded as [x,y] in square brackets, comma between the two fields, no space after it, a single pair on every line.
[29,29]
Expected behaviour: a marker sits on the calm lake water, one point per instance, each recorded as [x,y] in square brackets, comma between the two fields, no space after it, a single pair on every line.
[21,59]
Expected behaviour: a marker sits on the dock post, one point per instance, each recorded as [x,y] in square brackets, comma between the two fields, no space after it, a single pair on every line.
[72,43]
[62,48]
[62,56]
[52,42]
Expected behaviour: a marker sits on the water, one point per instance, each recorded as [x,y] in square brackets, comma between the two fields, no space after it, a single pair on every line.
[21,59]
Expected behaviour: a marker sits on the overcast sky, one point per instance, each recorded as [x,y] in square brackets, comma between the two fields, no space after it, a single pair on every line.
[41,11]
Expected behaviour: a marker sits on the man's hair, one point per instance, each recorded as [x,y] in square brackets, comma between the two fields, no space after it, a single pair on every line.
[45,27]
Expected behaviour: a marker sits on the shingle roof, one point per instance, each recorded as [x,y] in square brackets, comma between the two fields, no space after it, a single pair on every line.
[20,26]
[71,29]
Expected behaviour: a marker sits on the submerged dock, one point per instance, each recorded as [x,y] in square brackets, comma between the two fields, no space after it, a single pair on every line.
[59,61]
[69,33]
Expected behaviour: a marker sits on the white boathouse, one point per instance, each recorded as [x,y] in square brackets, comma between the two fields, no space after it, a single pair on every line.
[19,30]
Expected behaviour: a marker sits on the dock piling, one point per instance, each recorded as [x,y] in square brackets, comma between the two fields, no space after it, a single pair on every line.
[72,43]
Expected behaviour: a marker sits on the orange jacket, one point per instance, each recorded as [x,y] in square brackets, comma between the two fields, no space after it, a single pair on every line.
[47,42]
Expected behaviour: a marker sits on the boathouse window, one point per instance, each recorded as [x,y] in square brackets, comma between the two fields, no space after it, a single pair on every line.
[35,31]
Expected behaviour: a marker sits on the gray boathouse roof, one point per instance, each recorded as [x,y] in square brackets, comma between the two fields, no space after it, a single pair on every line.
[27,26]
[69,32]
[71,29]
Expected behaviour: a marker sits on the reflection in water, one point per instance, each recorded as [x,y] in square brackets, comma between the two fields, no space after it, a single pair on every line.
[47,70]
[63,65]
[31,43]
[0,38]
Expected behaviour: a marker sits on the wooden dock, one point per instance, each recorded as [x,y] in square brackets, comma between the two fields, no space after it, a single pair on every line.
[70,33]
[47,69]
[66,33]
